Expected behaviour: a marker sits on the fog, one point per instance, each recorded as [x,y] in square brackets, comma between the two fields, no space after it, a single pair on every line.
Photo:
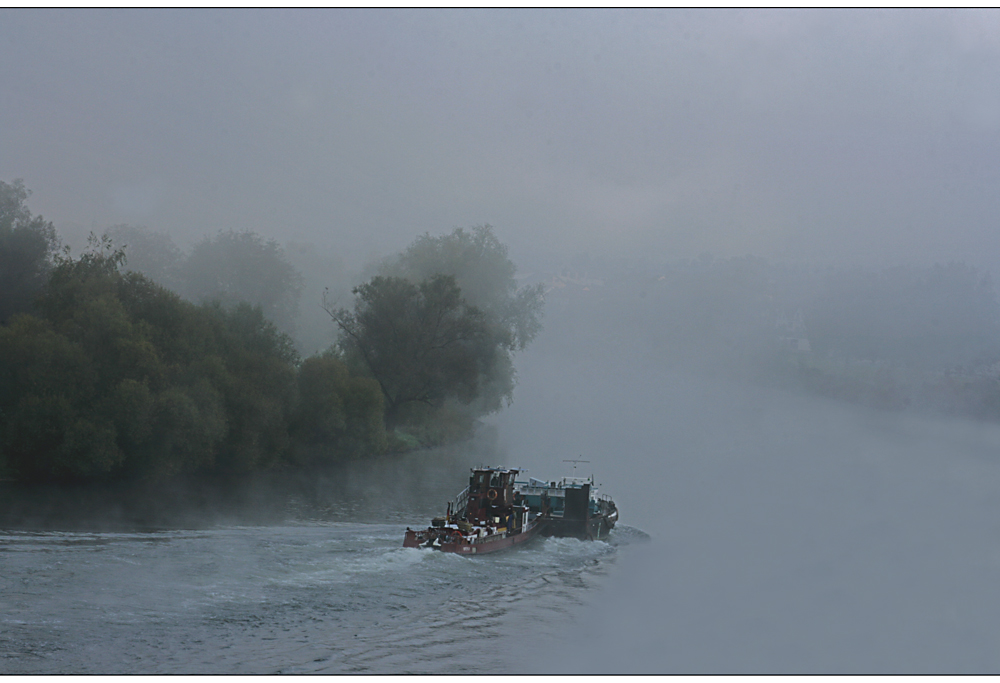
[835,135]
[788,534]
[766,239]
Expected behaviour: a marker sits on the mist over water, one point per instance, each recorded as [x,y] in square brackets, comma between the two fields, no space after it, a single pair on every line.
[762,531]
[766,242]
[284,577]
[308,598]
[788,534]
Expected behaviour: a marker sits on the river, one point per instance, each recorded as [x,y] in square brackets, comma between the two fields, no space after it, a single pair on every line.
[319,584]
[333,597]
[786,534]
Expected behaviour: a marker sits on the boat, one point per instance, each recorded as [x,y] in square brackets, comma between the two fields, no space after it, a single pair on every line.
[487,516]
[574,506]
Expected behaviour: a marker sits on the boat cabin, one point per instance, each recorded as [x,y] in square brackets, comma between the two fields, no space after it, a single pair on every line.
[491,499]
[488,515]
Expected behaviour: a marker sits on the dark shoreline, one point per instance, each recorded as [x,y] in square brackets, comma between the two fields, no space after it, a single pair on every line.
[182,502]
[385,488]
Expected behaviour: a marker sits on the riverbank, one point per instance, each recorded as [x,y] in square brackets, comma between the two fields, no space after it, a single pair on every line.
[388,488]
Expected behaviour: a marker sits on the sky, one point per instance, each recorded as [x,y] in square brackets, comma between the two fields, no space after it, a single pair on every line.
[847,136]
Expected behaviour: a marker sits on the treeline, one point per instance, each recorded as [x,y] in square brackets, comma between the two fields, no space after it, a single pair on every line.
[228,267]
[935,318]
[105,374]
[925,337]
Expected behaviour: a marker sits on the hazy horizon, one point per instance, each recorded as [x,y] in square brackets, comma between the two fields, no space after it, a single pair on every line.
[807,439]
[847,136]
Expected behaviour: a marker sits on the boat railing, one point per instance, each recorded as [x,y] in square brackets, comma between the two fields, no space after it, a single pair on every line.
[462,502]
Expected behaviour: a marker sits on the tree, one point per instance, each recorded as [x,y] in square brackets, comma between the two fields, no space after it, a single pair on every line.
[256,379]
[49,424]
[422,343]
[243,266]
[483,271]
[150,252]
[119,377]
[485,275]
[339,415]
[27,246]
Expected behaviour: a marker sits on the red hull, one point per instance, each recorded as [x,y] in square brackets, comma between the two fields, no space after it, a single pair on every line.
[487,544]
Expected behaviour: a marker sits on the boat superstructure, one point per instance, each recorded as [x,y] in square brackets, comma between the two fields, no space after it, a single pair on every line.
[575,507]
[488,515]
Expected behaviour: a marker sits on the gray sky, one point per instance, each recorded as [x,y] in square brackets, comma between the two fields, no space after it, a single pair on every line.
[861,136]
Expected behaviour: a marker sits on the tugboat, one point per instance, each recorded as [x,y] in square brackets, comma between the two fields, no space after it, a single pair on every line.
[487,516]
[575,508]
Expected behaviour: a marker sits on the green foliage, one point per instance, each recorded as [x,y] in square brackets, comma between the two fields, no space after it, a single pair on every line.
[184,427]
[106,374]
[422,343]
[425,426]
[338,415]
[238,267]
[400,441]
[123,378]
[27,245]
[484,273]
[509,317]
[258,389]
[51,421]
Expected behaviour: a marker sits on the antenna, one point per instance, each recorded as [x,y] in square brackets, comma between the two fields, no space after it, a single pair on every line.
[575,462]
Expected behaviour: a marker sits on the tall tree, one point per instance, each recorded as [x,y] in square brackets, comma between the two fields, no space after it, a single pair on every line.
[27,246]
[481,267]
[243,266]
[150,252]
[339,415]
[422,343]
